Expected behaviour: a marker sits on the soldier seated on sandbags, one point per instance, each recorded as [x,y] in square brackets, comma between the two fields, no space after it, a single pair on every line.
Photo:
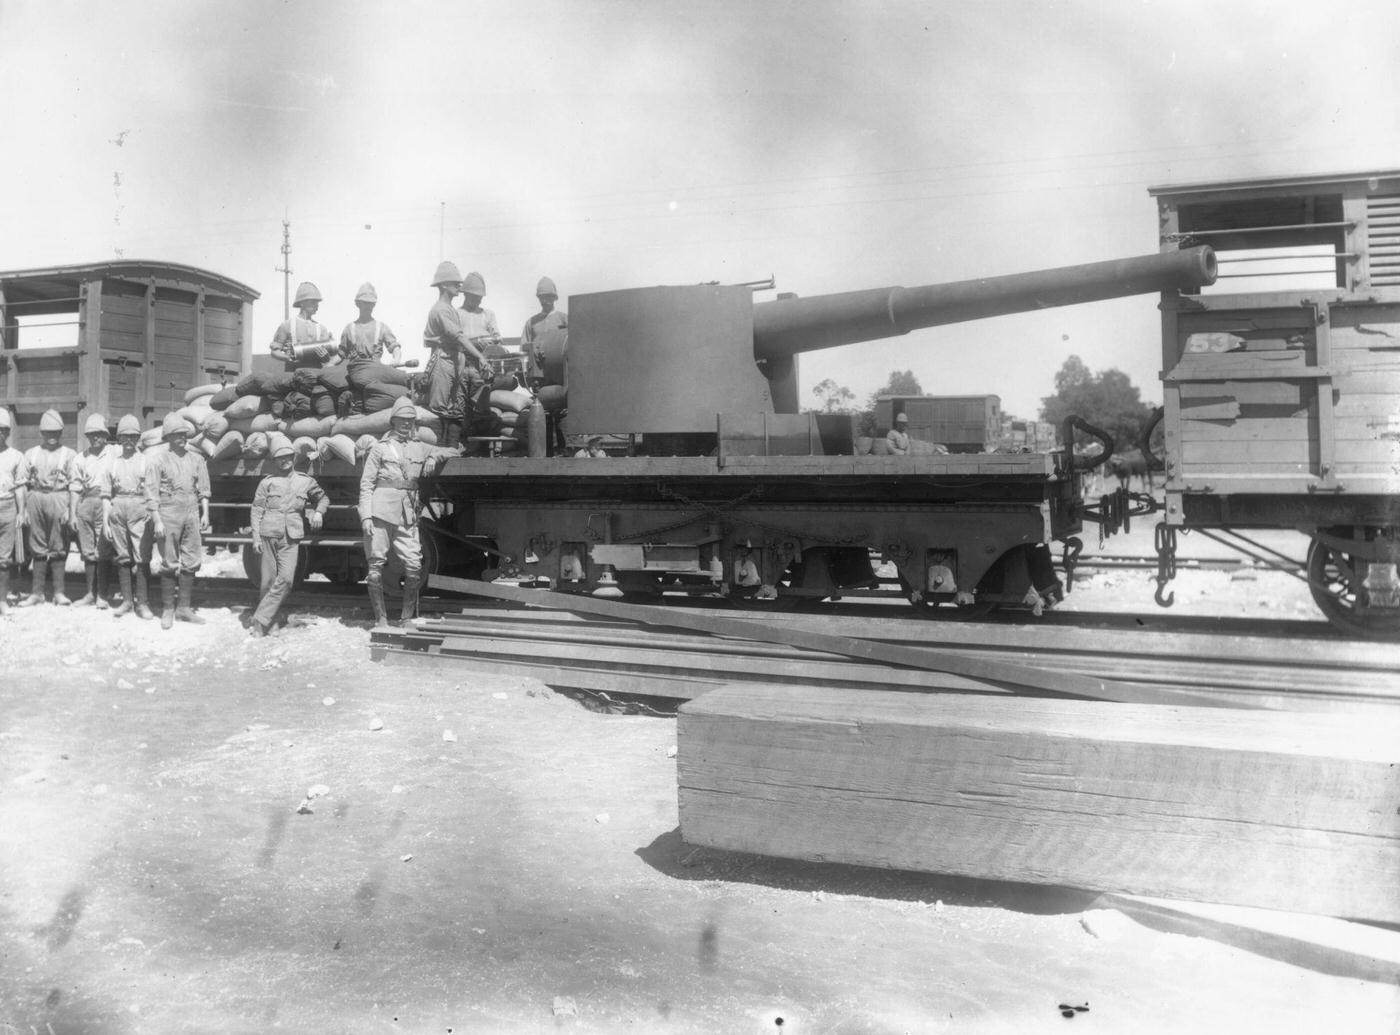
[302,342]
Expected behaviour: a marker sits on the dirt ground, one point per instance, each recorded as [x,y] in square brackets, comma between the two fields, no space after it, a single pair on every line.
[200,832]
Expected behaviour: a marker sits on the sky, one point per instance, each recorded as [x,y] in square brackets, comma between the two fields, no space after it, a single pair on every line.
[830,145]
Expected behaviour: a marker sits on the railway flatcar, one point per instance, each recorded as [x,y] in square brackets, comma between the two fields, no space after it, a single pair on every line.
[1281,385]
[126,336]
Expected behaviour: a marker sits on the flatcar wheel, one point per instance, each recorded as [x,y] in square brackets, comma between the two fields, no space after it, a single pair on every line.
[950,612]
[1339,594]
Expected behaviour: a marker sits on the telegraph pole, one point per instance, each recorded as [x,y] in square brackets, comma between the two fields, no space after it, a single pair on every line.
[286,270]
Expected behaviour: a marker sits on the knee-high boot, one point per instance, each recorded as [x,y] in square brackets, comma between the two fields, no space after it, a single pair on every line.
[103,585]
[90,575]
[186,612]
[376,601]
[409,611]
[56,569]
[38,572]
[126,606]
[167,600]
[143,606]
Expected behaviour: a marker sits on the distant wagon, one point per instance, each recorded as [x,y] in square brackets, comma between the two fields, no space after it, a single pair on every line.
[116,337]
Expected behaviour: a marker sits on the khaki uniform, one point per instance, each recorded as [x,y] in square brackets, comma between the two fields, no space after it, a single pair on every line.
[278,507]
[14,474]
[450,370]
[389,497]
[50,483]
[365,343]
[296,332]
[124,483]
[88,473]
[175,486]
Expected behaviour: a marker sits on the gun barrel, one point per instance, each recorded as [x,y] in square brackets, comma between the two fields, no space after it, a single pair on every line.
[789,326]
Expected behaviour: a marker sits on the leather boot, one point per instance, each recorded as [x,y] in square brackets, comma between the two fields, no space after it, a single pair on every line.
[90,574]
[409,610]
[143,608]
[376,600]
[186,612]
[167,601]
[126,606]
[56,569]
[38,570]
[104,584]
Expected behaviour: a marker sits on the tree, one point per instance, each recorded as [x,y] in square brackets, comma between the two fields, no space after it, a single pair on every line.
[833,397]
[1107,400]
[901,382]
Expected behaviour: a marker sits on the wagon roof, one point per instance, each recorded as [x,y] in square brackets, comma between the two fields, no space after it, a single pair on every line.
[1274,182]
[59,278]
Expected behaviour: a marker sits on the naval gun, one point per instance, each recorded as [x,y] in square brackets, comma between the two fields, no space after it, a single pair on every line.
[663,361]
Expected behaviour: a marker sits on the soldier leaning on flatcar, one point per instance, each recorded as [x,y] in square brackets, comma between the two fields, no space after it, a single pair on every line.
[126,518]
[177,490]
[279,502]
[301,342]
[14,478]
[50,507]
[96,548]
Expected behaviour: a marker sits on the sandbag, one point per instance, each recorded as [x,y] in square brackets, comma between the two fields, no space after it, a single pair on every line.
[201,392]
[247,406]
[323,405]
[380,395]
[376,424]
[229,445]
[255,446]
[427,434]
[862,445]
[315,427]
[223,398]
[305,446]
[266,423]
[292,406]
[506,418]
[194,414]
[553,398]
[332,379]
[879,447]
[363,375]
[339,447]
[214,426]
[363,445]
[266,384]
[509,402]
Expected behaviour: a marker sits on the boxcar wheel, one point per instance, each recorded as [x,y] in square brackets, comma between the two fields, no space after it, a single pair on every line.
[1338,592]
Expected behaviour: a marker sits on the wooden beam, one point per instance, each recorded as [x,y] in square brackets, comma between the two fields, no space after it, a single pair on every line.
[1008,674]
[1283,811]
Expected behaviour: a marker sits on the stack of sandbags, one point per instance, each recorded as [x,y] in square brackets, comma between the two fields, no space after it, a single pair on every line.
[376,386]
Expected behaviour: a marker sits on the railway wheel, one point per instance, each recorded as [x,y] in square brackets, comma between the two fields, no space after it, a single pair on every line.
[1337,582]
[947,610]
[252,567]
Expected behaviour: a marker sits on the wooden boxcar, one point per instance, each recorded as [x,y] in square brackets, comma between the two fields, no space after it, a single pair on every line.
[1282,384]
[962,423]
[138,335]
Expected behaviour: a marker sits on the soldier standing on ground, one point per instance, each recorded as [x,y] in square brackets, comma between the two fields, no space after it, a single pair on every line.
[279,503]
[50,507]
[96,548]
[301,342]
[389,507]
[126,518]
[177,491]
[450,355]
[14,479]
[365,339]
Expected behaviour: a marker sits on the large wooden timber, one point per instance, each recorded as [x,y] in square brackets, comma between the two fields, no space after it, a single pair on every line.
[1279,811]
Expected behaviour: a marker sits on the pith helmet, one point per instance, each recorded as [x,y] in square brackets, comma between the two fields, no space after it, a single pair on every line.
[403,407]
[52,420]
[474,284]
[901,417]
[546,287]
[174,424]
[278,444]
[96,424]
[307,292]
[128,425]
[367,293]
[5,419]
[447,273]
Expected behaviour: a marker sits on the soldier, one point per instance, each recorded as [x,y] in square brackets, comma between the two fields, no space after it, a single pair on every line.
[177,494]
[14,480]
[548,321]
[593,449]
[95,547]
[389,508]
[301,342]
[898,436]
[278,505]
[126,517]
[50,507]
[365,339]
[452,353]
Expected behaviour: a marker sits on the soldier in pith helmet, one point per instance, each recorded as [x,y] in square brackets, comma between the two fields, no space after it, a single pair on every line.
[96,549]
[50,506]
[452,355]
[301,341]
[365,340]
[126,519]
[14,480]
[284,504]
[177,495]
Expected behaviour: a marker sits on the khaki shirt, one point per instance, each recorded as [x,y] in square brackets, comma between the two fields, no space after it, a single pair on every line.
[389,484]
[50,470]
[281,500]
[88,470]
[126,476]
[14,472]
[176,479]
